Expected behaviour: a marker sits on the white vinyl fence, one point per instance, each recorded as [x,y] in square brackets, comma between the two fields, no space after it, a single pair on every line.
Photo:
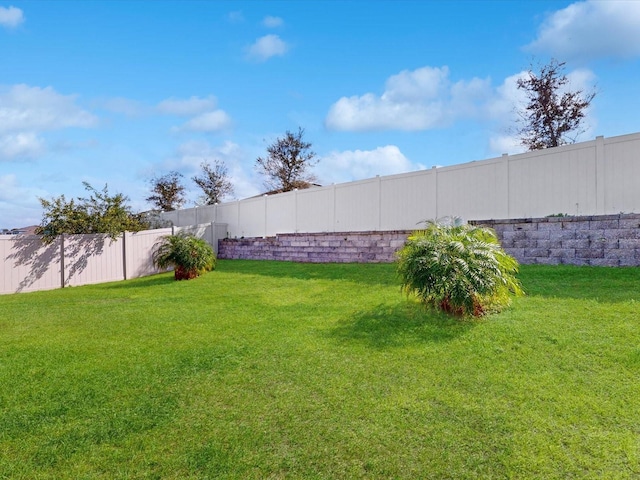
[598,177]
[72,260]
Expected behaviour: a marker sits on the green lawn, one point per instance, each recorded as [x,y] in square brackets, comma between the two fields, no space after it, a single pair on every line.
[278,370]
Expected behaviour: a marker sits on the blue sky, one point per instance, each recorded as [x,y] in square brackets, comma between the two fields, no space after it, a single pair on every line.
[115,92]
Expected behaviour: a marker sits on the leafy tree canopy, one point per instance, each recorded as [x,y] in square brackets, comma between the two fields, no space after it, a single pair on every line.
[98,213]
[287,163]
[214,182]
[553,115]
[167,192]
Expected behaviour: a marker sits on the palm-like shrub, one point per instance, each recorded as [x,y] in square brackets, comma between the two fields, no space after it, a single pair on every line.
[458,268]
[190,256]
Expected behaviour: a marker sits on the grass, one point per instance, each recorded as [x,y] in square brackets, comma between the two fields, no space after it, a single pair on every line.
[280,370]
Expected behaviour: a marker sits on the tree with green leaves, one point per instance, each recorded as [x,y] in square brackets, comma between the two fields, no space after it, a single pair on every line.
[100,212]
[286,166]
[554,114]
[167,192]
[214,182]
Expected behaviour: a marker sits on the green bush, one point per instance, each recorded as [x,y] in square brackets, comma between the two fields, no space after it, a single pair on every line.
[458,268]
[188,255]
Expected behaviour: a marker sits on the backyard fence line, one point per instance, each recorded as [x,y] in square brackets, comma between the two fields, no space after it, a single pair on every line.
[597,177]
[29,265]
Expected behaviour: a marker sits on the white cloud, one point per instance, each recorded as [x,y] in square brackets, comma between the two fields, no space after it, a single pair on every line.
[413,100]
[350,165]
[469,98]
[20,145]
[369,112]
[19,206]
[206,118]
[591,29]
[208,122]
[504,143]
[272,22]
[267,47]
[425,83]
[33,108]
[11,17]
[27,111]
[188,107]
[506,97]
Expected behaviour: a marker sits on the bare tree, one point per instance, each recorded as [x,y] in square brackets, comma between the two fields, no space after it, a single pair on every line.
[214,182]
[167,192]
[287,164]
[553,115]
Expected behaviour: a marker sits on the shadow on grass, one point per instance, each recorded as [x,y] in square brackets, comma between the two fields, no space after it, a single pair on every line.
[142,282]
[604,284]
[402,324]
[370,274]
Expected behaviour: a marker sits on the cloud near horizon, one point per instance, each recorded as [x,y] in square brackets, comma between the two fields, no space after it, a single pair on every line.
[351,165]
[589,30]
[11,17]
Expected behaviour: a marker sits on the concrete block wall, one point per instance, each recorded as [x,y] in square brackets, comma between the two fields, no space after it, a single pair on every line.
[602,240]
[350,247]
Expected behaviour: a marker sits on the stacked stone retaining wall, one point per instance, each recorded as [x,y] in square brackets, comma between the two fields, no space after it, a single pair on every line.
[351,247]
[602,240]
[605,240]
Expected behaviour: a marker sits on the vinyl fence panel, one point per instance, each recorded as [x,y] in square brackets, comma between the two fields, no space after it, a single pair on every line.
[92,259]
[408,199]
[139,245]
[73,260]
[315,210]
[589,178]
[29,265]
[621,175]
[281,213]
[561,180]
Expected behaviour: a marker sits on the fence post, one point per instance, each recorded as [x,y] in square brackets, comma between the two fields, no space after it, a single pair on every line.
[505,161]
[600,174]
[295,211]
[435,182]
[264,232]
[333,219]
[124,255]
[379,183]
[62,260]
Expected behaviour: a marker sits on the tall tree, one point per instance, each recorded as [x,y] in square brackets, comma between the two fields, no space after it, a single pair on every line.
[98,213]
[167,192]
[553,115]
[214,182]
[287,164]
